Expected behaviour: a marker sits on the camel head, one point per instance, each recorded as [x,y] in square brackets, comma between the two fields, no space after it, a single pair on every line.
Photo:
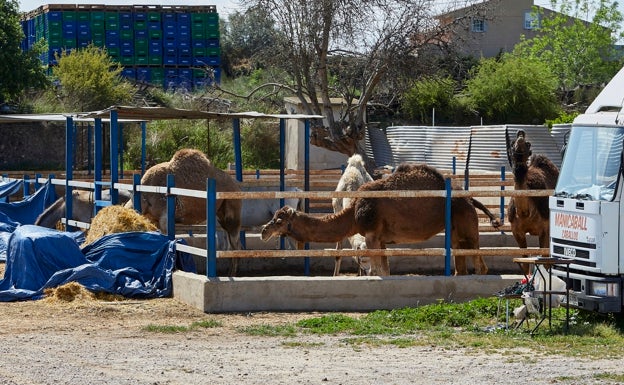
[279,225]
[520,149]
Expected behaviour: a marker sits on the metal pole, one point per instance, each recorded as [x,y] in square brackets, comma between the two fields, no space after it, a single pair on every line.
[171,201]
[211,228]
[447,229]
[306,187]
[502,198]
[143,141]
[69,168]
[114,141]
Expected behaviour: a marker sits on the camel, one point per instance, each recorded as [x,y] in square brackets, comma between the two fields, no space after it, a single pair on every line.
[390,220]
[530,214]
[83,207]
[354,176]
[191,168]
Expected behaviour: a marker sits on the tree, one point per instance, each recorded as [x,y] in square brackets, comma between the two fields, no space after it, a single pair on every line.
[579,53]
[20,70]
[513,90]
[428,94]
[245,35]
[348,49]
[90,80]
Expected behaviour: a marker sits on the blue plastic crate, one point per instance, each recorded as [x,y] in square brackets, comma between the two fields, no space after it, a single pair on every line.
[111,34]
[140,16]
[170,60]
[143,74]
[127,51]
[129,73]
[198,43]
[185,60]
[55,15]
[140,33]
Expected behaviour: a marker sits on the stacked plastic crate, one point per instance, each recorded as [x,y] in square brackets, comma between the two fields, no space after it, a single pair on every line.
[169,46]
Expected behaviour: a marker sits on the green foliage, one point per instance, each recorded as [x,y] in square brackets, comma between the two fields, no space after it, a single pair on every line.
[578,52]
[19,70]
[431,93]
[513,90]
[90,80]
[246,35]
[563,118]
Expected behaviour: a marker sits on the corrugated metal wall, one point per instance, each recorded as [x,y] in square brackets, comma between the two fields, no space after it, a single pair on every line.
[436,146]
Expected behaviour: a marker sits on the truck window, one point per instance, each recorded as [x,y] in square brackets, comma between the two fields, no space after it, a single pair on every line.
[591,163]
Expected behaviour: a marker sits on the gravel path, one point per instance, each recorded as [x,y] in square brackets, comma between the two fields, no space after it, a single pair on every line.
[96,342]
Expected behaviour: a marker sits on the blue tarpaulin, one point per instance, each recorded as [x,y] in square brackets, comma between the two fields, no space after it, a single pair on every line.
[9,187]
[26,211]
[23,212]
[132,264]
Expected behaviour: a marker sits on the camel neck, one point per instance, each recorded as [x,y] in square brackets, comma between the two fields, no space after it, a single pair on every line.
[520,171]
[328,228]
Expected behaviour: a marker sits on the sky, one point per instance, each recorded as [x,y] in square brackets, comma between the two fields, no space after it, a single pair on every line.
[224,7]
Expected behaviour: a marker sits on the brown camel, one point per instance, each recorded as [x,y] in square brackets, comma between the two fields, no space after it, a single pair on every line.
[191,168]
[530,214]
[354,176]
[390,220]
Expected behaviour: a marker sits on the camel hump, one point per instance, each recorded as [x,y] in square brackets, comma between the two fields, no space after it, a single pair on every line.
[189,155]
[548,168]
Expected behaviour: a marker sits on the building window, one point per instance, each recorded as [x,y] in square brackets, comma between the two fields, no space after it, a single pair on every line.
[531,20]
[478,25]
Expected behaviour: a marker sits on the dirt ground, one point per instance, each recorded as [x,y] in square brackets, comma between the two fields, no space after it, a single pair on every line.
[88,341]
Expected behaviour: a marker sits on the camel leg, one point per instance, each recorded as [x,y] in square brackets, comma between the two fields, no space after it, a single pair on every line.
[338,260]
[522,243]
[235,244]
[379,264]
[544,240]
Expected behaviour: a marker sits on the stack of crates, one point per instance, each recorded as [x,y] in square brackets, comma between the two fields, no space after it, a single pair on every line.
[169,46]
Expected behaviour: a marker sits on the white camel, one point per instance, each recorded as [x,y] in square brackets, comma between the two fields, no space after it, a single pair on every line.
[354,176]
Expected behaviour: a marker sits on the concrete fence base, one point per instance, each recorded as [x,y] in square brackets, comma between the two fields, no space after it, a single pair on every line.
[344,293]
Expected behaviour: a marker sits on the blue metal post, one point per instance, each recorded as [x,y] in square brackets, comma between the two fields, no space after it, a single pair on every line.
[69,168]
[114,168]
[136,195]
[238,159]
[37,176]
[447,229]
[98,161]
[121,151]
[306,186]
[89,153]
[282,144]
[26,185]
[143,141]
[211,230]
[171,201]
[502,198]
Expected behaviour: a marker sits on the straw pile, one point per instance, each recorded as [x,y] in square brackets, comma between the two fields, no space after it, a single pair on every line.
[116,219]
[69,292]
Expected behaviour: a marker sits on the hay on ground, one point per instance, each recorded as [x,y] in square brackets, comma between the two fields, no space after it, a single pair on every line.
[68,292]
[116,219]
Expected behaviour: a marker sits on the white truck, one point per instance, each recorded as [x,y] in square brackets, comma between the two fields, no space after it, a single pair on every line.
[587,209]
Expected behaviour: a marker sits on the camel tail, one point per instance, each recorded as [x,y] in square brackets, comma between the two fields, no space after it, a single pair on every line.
[493,220]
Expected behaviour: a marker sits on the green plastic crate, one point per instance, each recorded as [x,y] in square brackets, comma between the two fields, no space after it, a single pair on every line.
[155,34]
[113,51]
[69,15]
[155,60]
[141,59]
[153,16]
[83,16]
[140,24]
[97,15]
[126,60]
[127,34]
[69,43]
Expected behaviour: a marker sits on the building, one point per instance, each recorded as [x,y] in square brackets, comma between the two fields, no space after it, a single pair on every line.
[171,46]
[496,28]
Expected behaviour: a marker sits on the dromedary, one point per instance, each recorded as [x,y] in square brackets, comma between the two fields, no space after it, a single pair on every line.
[191,168]
[83,207]
[390,220]
[530,214]
[354,176]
